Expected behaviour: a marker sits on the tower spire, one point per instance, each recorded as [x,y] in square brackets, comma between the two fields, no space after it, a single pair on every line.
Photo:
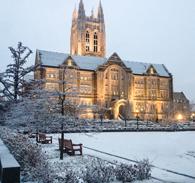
[81,11]
[100,12]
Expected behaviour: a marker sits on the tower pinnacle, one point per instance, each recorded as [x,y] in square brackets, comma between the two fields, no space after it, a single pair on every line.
[81,11]
[100,12]
[74,14]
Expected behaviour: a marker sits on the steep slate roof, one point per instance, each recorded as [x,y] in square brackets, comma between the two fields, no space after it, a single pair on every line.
[54,59]
[179,96]
[141,68]
[193,108]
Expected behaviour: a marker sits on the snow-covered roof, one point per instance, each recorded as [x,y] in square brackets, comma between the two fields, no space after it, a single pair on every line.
[55,59]
[49,58]
[141,68]
[89,63]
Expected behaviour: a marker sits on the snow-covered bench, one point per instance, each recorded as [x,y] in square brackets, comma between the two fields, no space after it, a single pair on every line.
[70,148]
[44,139]
[9,167]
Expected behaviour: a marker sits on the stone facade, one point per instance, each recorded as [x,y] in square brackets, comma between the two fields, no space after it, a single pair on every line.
[119,88]
[111,87]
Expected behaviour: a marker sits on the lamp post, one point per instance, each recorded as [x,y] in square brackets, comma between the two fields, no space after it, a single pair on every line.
[62,141]
[125,121]
[137,117]
[101,119]
[125,115]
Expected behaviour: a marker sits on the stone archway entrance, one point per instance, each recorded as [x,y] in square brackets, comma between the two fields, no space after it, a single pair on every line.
[122,112]
[120,109]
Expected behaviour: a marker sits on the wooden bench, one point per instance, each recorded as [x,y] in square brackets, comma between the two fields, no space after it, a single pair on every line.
[70,148]
[43,138]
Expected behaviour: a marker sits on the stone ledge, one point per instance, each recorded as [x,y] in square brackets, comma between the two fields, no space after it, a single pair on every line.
[9,167]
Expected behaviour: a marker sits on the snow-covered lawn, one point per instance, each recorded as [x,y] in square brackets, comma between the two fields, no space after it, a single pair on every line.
[169,150]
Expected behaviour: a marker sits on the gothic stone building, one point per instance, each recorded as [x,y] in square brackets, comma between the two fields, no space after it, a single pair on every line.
[181,106]
[114,85]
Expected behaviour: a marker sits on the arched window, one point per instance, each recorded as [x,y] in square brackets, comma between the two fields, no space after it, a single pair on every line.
[95,37]
[87,39]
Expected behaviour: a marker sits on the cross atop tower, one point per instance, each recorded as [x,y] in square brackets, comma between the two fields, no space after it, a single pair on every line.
[88,32]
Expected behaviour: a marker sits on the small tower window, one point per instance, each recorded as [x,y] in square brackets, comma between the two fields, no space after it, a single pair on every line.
[151,70]
[95,42]
[69,62]
[87,41]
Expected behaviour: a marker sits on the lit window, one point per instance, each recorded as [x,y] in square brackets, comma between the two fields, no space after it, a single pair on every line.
[51,75]
[151,70]
[69,62]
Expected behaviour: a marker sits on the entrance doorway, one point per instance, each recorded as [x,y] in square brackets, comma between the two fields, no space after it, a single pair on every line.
[121,109]
[122,112]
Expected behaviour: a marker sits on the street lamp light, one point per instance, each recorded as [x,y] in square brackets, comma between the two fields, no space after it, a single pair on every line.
[193,116]
[137,117]
[179,117]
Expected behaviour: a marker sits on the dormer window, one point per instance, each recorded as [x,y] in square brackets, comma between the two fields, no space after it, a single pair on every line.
[151,70]
[69,62]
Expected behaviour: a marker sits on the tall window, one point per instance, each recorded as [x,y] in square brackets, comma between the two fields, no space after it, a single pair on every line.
[95,42]
[87,41]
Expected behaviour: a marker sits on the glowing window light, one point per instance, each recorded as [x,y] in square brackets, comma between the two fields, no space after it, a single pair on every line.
[179,117]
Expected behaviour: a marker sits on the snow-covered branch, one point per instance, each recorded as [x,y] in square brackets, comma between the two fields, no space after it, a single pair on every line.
[12,79]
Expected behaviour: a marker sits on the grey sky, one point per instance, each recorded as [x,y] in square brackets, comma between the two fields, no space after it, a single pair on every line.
[157,31]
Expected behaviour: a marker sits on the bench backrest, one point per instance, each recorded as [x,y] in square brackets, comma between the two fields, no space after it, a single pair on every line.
[42,136]
[68,144]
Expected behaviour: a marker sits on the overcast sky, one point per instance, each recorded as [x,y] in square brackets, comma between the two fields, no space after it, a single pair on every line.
[155,31]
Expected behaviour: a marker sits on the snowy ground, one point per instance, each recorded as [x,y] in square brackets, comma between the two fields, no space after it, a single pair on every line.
[169,150]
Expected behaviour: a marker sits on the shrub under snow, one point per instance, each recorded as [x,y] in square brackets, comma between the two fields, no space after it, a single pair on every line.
[67,176]
[99,171]
[129,173]
[33,163]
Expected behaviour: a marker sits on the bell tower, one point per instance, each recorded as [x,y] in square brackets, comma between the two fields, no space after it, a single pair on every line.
[88,32]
